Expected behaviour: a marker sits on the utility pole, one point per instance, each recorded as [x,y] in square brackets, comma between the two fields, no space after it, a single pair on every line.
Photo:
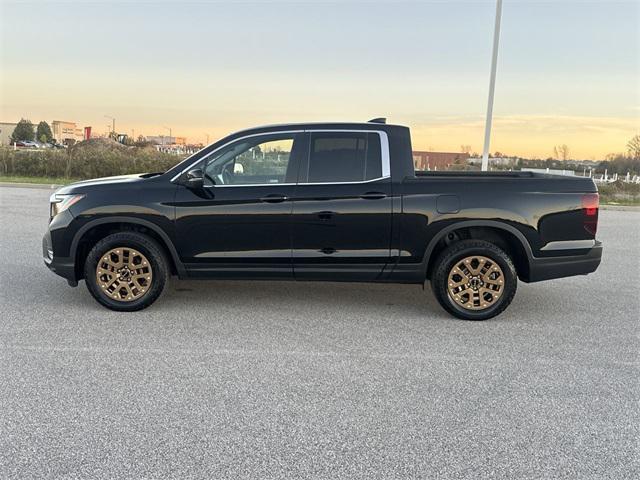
[113,123]
[492,86]
[169,128]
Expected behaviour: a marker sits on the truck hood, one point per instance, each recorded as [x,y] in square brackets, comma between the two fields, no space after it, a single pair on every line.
[102,182]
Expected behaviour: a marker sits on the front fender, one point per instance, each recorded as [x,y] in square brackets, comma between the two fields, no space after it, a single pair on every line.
[134,221]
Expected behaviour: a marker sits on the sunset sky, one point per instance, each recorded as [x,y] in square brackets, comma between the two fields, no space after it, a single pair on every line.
[568,71]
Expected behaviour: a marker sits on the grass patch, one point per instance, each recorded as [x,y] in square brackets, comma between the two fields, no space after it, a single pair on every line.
[630,202]
[39,180]
[619,193]
[93,158]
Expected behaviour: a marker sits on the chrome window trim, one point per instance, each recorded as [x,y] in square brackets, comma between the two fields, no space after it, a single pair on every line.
[384,153]
[345,183]
[252,185]
[291,184]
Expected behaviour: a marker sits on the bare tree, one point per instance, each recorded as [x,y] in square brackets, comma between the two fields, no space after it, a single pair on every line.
[561,152]
[633,147]
[465,149]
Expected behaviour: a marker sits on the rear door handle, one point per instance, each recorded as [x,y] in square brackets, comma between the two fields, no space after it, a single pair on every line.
[373,195]
[326,215]
[274,198]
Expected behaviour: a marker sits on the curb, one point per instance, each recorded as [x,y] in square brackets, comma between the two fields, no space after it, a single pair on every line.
[625,208]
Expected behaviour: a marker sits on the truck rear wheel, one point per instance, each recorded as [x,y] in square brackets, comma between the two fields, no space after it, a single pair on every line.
[126,271]
[474,280]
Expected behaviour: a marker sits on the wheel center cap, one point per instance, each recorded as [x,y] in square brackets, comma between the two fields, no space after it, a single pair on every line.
[475,282]
[124,274]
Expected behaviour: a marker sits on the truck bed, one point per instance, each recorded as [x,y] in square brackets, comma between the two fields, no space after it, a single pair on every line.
[474,173]
[504,181]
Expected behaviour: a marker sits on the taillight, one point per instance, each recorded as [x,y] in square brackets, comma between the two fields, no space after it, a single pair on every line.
[590,205]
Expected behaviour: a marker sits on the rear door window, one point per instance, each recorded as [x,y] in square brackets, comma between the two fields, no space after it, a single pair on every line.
[338,157]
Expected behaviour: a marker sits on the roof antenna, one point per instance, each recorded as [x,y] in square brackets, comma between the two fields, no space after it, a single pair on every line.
[378,120]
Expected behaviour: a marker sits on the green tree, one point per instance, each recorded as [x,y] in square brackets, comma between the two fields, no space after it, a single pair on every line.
[23,131]
[43,132]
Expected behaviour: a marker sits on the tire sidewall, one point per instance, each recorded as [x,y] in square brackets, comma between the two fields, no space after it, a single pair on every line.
[448,260]
[139,242]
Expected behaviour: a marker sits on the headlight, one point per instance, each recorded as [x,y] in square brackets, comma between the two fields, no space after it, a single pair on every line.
[60,202]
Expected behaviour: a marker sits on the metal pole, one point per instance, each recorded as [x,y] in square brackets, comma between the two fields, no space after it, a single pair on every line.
[492,86]
[113,123]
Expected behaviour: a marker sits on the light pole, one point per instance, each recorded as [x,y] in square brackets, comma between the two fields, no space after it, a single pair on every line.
[492,87]
[113,123]
[169,128]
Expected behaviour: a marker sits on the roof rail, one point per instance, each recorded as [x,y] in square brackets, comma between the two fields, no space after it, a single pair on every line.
[378,120]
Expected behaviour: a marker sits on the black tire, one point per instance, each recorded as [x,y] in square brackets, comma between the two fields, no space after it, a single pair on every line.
[147,247]
[456,253]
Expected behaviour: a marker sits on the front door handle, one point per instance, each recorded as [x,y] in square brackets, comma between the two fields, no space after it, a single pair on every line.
[373,195]
[274,198]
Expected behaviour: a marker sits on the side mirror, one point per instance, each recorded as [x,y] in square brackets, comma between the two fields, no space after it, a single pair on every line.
[195,178]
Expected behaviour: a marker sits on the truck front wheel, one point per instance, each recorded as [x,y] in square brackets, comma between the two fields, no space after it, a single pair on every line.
[474,280]
[126,271]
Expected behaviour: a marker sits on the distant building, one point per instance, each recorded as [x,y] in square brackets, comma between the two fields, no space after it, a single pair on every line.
[495,161]
[438,160]
[66,132]
[163,139]
[506,162]
[503,161]
[6,129]
[551,171]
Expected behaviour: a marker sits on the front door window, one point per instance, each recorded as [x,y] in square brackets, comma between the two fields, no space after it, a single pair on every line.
[252,161]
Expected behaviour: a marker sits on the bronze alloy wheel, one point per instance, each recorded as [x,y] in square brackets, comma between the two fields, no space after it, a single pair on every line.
[475,282]
[124,274]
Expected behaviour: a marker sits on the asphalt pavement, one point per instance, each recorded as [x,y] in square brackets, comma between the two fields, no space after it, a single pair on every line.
[316,380]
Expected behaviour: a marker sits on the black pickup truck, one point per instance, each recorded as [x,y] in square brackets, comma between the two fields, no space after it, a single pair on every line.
[323,201]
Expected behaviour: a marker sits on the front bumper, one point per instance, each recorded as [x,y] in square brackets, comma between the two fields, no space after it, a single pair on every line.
[547,268]
[63,266]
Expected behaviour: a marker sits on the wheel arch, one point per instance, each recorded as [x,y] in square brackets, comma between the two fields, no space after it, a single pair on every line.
[95,230]
[503,235]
